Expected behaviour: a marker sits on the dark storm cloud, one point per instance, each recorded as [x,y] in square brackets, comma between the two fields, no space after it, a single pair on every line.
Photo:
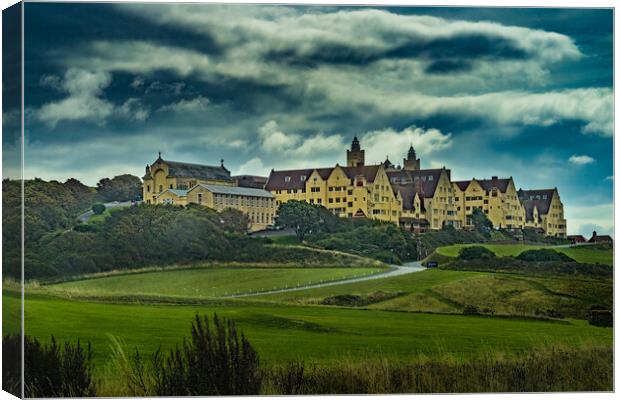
[281,87]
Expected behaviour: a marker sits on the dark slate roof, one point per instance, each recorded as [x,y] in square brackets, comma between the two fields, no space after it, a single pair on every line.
[540,199]
[600,238]
[198,171]
[277,179]
[407,192]
[251,181]
[428,179]
[462,184]
[487,184]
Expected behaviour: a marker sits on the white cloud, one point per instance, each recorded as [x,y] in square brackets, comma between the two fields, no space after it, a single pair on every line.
[609,178]
[395,144]
[134,109]
[254,166]
[273,139]
[584,219]
[83,101]
[196,104]
[581,160]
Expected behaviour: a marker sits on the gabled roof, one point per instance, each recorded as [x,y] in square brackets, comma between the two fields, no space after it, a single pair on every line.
[233,190]
[427,178]
[600,238]
[176,192]
[486,184]
[292,179]
[539,198]
[198,171]
[577,238]
[408,192]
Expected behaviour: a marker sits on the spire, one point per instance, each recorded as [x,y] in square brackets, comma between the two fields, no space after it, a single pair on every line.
[411,154]
[159,156]
[355,145]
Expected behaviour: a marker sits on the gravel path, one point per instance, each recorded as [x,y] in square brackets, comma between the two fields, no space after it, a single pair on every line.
[395,270]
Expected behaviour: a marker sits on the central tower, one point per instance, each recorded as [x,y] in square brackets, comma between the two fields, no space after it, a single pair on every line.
[411,163]
[355,156]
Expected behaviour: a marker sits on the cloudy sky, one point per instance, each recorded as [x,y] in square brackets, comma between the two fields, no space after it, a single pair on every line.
[525,93]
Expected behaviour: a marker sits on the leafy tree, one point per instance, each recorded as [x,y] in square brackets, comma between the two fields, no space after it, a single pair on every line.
[481,222]
[98,208]
[234,221]
[120,188]
[303,217]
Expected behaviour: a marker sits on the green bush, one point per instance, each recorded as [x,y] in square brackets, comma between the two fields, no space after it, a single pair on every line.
[543,255]
[600,317]
[475,253]
[51,370]
[98,208]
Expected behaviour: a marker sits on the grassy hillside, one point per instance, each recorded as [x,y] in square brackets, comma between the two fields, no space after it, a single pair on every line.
[289,332]
[205,282]
[585,254]
[445,291]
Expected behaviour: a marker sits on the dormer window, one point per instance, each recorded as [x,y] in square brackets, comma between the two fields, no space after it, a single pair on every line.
[287,179]
[302,178]
[430,178]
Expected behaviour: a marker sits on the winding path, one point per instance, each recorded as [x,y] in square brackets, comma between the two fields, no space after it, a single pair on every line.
[395,270]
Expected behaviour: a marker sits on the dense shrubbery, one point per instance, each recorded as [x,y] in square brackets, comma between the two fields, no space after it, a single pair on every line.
[120,188]
[98,208]
[543,255]
[375,239]
[50,370]
[553,268]
[475,253]
[532,235]
[429,241]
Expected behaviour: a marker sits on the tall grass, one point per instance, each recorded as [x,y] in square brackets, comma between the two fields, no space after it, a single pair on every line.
[551,370]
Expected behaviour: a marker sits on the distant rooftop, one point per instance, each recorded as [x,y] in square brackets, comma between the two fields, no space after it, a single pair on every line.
[234,190]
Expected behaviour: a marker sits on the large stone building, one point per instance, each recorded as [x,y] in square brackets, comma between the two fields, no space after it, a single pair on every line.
[172,182]
[417,199]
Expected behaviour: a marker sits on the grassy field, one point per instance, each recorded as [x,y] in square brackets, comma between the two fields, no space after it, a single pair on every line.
[205,282]
[580,254]
[288,332]
[445,291]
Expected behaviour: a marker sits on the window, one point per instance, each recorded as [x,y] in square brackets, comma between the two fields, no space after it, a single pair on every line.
[349,204]
[302,178]
[148,188]
[199,198]
[287,179]
[315,189]
[319,201]
[161,188]
[171,186]
[330,200]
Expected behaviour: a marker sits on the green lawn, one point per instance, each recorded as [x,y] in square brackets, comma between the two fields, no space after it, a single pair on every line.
[287,332]
[205,282]
[581,254]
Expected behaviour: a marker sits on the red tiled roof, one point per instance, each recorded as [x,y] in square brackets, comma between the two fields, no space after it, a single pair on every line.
[576,238]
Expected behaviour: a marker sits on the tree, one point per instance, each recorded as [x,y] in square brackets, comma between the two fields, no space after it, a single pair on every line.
[481,222]
[98,208]
[234,221]
[304,218]
[120,188]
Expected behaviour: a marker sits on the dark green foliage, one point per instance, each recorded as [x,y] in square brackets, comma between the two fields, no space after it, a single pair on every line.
[234,221]
[120,188]
[428,242]
[476,253]
[532,235]
[541,268]
[601,317]
[306,218]
[352,300]
[98,208]
[481,222]
[215,361]
[12,364]
[471,310]
[555,370]
[543,255]
[383,241]
[51,370]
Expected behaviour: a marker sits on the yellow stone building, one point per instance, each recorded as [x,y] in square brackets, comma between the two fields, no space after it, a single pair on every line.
[544,210]
[179,183]
[257,204]
[497,198]
[163,175]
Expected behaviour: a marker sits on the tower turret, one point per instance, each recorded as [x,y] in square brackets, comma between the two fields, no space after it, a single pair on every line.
[411,163]
[355,156]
